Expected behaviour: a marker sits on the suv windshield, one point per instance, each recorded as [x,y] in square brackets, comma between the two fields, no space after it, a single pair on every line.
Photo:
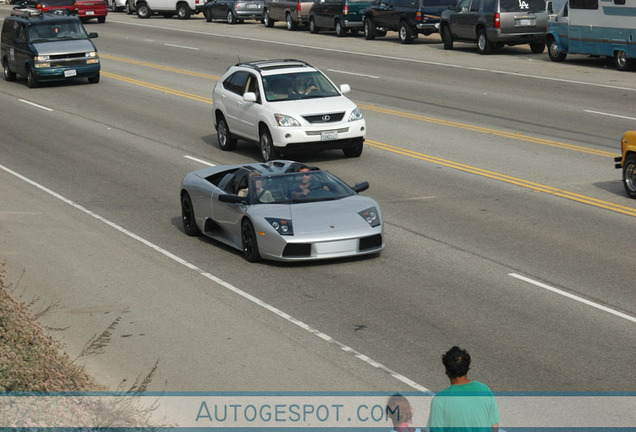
[300,85]
[522,5]
[48,32]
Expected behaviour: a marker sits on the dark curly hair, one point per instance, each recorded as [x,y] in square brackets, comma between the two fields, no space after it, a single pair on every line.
[456,361]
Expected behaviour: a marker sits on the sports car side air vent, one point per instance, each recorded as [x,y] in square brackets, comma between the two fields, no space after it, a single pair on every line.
[371,242]
[324,118]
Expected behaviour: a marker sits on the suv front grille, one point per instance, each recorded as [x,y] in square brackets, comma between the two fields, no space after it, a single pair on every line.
[325,118]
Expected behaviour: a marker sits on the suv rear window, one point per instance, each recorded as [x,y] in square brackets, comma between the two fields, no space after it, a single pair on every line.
[522,5]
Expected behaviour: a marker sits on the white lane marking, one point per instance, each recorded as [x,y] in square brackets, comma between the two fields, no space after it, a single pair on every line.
[574,297]
[182,46]
[357,53]
[221,282]
[610,115]
[353,73]
[199,160]
[36,105]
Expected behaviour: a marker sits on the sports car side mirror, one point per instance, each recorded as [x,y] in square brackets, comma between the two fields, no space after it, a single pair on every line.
[361,187]
[228,198]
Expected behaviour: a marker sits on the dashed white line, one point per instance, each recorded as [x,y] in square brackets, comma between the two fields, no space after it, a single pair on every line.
[182,46]
[353,73]
[574,297]
[201,161]
[610,115]
[36,105]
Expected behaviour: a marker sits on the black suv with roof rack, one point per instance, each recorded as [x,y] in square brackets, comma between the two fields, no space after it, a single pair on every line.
[407,17]
[47,47]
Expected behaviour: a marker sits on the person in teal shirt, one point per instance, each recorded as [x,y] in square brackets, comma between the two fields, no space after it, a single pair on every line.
[465,406]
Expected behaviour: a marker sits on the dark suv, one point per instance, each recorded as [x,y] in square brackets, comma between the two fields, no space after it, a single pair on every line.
[47,47]
[407,17]
[495,23]
[338,15]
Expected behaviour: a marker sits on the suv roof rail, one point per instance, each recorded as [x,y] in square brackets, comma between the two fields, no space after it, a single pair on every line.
[260,65]
[25,12]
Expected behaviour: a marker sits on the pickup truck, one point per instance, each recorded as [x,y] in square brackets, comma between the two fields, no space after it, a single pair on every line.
[627,161]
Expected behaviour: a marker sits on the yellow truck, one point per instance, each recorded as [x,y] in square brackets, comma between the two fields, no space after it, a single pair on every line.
[627,161]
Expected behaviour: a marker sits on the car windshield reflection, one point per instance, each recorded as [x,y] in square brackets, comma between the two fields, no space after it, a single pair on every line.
[50,32]
[301,187]
[294,86]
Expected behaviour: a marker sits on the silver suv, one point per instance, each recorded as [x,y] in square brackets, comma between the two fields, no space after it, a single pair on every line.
[495,23]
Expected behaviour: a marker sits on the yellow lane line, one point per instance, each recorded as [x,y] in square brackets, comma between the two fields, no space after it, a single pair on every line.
[156,66]
[510,135]
[505,178]
[159,88]
[428,158]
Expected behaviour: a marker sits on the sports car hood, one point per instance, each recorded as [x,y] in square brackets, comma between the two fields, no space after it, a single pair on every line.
[64,47]
[328,216]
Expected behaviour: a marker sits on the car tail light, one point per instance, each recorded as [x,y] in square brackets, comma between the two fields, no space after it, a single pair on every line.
[418,16]
[497,20]
[345,10]
[298,8]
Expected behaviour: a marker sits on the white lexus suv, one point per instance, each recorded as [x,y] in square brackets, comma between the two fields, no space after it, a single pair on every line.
[285,104]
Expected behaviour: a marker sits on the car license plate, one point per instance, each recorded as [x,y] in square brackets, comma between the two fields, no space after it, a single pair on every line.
[329,135]
[90,12]
[70,73]
[526,22]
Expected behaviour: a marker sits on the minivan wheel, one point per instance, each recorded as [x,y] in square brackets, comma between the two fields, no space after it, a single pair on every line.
[267,21]
[623,63]
[94,79]
[555,54]
[8,75]
[405,33]
[312,26]
[340,29]
[537,47]
[32,81]
[369,29]
[143,11]
[447,38]
[483,44]
[291,24]
[268,152]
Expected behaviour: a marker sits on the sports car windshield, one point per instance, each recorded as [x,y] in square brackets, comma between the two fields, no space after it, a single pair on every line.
[301,85]
[309,186]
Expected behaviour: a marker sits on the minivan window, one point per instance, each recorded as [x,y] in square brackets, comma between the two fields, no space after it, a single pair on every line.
[55,31]
[522,5]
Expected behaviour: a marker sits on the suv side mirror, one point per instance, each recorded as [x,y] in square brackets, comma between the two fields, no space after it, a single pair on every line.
[344,88]
[249,97]
[92,35]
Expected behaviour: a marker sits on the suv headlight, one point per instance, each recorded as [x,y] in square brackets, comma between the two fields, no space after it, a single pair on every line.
[42,58]
[355,115]
[371,216]
[285,120]
[282,226]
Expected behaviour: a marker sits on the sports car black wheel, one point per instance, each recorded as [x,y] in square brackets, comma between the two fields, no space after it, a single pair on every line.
[226,141]
[629,175]
[187,216]
[354,151]
[268,152]
[250,246]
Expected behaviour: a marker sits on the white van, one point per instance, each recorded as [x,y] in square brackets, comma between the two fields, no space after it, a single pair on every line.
[594,27]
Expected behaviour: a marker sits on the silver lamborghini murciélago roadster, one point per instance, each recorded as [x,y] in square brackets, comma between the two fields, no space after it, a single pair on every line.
[281,210]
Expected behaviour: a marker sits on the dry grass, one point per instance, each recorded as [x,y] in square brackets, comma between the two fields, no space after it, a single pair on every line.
[30,360]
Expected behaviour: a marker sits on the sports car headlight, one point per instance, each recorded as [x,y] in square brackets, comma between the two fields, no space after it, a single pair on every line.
[371,216]
[282,226]
[285,120]
[355,115]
